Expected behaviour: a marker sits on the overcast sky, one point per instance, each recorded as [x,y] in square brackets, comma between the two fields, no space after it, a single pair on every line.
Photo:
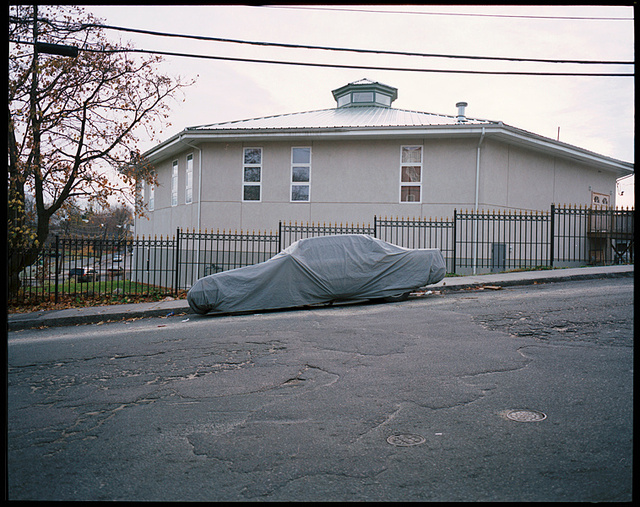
[596,113]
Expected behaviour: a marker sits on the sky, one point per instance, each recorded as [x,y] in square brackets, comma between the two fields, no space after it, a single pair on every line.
[595,113]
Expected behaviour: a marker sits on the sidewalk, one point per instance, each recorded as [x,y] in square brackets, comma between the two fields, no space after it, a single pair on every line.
[96,314]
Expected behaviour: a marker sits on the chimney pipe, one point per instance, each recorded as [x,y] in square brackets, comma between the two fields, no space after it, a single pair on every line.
[461,118]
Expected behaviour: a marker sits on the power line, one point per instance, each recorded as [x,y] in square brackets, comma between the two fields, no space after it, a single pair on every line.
[521,16]
[364,67]
[340,49]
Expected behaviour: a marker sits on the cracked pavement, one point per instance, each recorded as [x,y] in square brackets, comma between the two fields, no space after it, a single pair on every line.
[297,405]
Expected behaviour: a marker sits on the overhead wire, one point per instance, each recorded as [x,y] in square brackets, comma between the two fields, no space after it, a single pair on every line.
[366,67]
[341,49]
[469,14]
[354,50]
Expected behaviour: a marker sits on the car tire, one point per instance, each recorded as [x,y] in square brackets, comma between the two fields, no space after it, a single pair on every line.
[393,299]
[396,298]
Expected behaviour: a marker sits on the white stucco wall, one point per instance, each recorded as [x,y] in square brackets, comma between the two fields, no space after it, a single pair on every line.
[353,180]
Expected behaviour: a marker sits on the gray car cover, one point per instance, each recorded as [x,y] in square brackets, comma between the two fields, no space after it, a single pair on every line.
[318,270]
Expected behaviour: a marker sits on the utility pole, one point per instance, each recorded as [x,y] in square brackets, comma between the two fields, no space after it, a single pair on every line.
[41,47]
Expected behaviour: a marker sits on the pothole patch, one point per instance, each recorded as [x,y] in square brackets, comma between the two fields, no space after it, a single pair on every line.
[525,415]
[406,440]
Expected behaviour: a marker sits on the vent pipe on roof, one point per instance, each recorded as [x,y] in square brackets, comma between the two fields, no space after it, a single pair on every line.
[461,118]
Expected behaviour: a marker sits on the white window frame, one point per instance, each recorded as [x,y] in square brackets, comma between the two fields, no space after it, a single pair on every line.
[152,199]
[250,165]
[188,185]
[174,183]
[405,164]
[306,183]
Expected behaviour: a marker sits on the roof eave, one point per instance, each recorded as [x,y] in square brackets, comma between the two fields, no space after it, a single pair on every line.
[499,131]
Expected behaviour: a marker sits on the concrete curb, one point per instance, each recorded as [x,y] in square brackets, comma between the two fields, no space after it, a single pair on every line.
[107,313]
[448,286]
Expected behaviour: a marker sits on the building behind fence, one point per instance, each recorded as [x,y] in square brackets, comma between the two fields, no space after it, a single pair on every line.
[471,242]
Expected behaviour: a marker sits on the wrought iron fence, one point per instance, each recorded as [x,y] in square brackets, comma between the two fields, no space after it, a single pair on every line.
[471,242]
[594,236]
[291,232]
[501,241]
[420,233]
[201,254]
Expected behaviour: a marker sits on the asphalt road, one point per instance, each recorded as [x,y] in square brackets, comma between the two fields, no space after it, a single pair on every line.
[393,402]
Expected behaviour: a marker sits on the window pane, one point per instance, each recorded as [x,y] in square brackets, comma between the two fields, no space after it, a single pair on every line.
[410,194]
[363,97]
[252,174]
[411,174]
[300,192]
[251,193]
[174,185]
[345,99]
[383,99]
[411,154]
[252,156]
[300,174]
[301,155]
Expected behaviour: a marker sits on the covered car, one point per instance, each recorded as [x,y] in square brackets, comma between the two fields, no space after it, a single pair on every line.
[319,270]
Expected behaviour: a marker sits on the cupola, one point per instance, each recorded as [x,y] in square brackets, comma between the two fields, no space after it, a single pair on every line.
[365,93]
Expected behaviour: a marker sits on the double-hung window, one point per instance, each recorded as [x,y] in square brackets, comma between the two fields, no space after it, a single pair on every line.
[252,174]
[188,189]
[411,174]
[300,174]
[174,184]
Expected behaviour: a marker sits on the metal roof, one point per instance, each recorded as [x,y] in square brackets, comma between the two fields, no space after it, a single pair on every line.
[374,122]
[352,117]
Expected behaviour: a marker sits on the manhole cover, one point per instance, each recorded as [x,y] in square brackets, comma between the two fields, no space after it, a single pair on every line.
[525,415]
[406,440]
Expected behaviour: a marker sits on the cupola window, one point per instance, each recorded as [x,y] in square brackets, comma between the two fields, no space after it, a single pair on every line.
[365,93]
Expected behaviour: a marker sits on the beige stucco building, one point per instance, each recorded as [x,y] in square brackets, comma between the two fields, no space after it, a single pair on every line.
[360,159]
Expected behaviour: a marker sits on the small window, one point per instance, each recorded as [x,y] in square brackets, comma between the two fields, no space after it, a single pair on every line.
[599,200]
[174,184]
[188,189]
[252,174]
[345,99]
[152,199]
[300,174]
[411,174]
[363,96]
[383,99]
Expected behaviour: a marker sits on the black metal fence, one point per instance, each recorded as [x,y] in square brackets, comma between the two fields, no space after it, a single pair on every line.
[471,242]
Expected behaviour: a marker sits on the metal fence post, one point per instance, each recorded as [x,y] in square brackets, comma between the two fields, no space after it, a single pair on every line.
[375,226]
[177,257]
[455,221]
[552,235]
[57,268]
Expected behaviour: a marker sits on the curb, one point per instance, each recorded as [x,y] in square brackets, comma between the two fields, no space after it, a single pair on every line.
[114,313]
[18,322]
[534,281]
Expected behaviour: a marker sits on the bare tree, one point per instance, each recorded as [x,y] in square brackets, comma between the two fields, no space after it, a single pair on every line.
[72,121]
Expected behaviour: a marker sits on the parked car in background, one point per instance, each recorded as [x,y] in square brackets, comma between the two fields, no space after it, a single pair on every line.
[84,274]
[117,257]
[320,270]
